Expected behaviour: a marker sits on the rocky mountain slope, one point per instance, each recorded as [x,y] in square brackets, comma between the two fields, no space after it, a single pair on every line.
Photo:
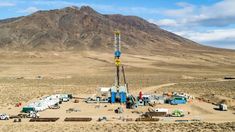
[74,28]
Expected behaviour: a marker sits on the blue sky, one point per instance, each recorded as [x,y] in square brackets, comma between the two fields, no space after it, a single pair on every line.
[209,22]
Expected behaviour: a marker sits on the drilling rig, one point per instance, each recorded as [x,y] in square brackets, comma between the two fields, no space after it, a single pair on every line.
[118,92]
[117,55]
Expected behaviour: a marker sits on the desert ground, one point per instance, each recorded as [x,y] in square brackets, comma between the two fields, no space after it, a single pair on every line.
[27,76]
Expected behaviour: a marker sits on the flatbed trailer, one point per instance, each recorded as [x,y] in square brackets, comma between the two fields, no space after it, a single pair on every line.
[77,119]
[44,119]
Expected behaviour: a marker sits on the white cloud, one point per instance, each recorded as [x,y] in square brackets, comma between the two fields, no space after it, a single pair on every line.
[164,22]
[221,9]
[219,14]
[185,10]
[216,15]
[29,10]
[214,35]
[6,4]
[219,37]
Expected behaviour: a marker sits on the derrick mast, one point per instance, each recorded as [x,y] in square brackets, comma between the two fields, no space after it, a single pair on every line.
[117,55]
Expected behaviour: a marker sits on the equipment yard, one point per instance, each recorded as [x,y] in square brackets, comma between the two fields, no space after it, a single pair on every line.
[194,111]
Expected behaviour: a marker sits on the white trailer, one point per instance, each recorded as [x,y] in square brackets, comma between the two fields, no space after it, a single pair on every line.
[162,110]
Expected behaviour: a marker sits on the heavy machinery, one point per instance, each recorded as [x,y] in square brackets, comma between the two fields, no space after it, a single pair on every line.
[131,102]
[177,113]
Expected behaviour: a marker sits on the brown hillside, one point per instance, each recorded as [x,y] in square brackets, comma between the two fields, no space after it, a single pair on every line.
[74,28]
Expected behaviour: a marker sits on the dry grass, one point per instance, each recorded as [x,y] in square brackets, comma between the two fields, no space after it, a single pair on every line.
[85,72]
[223,88]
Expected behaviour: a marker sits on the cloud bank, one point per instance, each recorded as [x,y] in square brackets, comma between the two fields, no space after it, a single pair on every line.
[210,25]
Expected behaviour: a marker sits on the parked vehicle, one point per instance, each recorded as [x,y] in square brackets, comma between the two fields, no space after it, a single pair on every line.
[223,107]
[54,107]
[102,119]
[65,99]
[4,117]
[33,114]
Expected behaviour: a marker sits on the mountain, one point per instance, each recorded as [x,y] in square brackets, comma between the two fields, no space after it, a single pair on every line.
[77,29]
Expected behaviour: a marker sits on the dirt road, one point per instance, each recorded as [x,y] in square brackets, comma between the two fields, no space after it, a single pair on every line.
[152,88]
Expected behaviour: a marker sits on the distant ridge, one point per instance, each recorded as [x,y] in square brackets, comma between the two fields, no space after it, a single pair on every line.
[83,28]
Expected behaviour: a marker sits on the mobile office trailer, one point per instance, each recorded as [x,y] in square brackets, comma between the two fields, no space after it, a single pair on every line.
[40,106]
[157,99]
[27,109]
[105,91]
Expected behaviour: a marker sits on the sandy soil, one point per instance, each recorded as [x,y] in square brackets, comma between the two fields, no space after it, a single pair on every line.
[117,127]
[29,75]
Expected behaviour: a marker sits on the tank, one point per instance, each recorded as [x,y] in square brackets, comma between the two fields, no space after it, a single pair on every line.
[113,97]
[113,94]
[123,97]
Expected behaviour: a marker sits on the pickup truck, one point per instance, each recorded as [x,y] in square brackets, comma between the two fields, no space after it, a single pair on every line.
[4,117]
